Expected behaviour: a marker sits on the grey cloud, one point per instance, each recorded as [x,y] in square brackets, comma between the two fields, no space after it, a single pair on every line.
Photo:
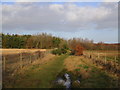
[64,17]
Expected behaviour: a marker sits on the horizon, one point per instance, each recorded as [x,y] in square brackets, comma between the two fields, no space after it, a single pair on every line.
[63,37]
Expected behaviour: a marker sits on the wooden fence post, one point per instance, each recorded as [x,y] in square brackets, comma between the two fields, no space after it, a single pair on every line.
[30,59]
[36,56]
[98,55]
[4,61]
[39,54]
[89,55]
[20,60]
[115,61]
[111,64]
[105,58]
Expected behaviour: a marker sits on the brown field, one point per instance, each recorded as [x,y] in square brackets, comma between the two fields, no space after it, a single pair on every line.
[16,51]
[110,52]
[103,54]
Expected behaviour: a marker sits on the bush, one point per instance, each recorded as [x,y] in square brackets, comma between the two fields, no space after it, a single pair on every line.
[59,51]
[77,50]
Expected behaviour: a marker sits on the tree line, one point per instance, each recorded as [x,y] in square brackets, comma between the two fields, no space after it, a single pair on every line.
[47,41]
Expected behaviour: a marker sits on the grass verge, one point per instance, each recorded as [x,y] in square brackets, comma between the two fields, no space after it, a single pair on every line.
[40,76]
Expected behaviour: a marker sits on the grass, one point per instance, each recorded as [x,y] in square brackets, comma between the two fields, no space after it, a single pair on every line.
[109,58]
[40,76]
[83,66]
[43,75]
[98,79]
[77,69]
[93,78]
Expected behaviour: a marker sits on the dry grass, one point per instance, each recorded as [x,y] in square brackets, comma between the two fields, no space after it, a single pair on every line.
[75,63]
[39,62]
[109,55]
[39,74]
[102,52]
[71,62]
[44,60]
[16,51]
[92,76]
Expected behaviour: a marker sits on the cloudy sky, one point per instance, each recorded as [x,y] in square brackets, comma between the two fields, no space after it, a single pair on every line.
[93,20]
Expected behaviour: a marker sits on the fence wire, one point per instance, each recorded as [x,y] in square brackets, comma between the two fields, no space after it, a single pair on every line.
[14,62]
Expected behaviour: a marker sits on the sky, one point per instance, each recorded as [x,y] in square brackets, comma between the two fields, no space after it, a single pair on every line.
[96,21]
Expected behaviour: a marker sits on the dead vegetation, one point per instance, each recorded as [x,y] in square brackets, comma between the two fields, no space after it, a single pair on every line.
[77,50]
[16,51]
[75,63]
[91,74]
[12,72]
[37,63]
[108,61]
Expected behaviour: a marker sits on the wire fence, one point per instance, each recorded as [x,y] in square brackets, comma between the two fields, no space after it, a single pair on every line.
[111,64]
[14,62]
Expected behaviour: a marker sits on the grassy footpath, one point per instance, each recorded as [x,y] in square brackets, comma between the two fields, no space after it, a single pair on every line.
[41,76]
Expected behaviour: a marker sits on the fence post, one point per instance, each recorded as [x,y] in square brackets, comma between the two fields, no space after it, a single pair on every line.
[20,60]
[111,64]
[105,58]
[98,55]
[30,59]
[89,55]
[115,61]
[4,61]
[39,54]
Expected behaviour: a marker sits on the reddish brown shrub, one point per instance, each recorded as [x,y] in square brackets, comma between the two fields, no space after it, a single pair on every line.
[77,50]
